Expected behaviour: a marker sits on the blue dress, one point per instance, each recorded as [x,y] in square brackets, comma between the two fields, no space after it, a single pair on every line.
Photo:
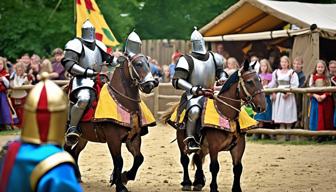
[267,115]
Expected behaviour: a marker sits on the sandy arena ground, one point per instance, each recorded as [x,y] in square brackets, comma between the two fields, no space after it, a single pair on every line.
[267,167]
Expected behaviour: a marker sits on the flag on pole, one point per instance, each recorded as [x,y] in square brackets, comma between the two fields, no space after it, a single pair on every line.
[88,9]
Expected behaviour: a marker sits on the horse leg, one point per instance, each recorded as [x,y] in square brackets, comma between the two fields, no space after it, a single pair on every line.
[199,181]
[184,159]
[133,147]
[214,168]
[114,145]
[74,152]
[237,154]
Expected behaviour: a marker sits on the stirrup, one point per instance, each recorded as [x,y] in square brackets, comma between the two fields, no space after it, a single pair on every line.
[72,136]
[192,145]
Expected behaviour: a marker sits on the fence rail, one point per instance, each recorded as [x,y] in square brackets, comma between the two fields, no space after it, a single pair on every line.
[163,97]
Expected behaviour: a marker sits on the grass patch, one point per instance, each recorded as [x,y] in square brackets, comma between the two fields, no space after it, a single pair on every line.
[10,132]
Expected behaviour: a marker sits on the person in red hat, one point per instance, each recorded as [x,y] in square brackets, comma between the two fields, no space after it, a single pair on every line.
[37,161]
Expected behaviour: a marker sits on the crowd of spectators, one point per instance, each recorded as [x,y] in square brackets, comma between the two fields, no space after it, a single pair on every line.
[25,71]
[284,110]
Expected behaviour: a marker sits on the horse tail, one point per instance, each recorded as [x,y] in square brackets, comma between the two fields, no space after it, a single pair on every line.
[197,158]
[166,115]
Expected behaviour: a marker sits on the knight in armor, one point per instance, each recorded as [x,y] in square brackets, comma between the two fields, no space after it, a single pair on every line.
[132,45]
[83,59]
[196,73]
[37,162]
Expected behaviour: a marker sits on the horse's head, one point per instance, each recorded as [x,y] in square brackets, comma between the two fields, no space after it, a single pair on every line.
[140,73]
[251,89]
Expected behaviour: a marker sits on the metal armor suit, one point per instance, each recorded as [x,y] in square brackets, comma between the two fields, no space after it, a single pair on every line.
[194,79]
[83,59]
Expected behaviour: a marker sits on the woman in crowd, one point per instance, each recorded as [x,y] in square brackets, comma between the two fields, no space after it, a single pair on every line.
[322,110]
[18,97]
[5,110]
[284,109]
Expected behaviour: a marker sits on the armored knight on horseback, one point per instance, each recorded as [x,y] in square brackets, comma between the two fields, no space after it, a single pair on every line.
[83,59]
[196,73]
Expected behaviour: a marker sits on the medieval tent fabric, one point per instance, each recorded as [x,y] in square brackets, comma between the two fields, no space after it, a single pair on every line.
[88,9]
[252,20]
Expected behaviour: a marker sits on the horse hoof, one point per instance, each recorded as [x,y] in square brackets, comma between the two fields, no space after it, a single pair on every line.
[123,189]
[186,188]
[124,178]
[198,187]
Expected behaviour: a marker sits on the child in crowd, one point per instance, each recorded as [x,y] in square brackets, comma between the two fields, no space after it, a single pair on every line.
[265,74]
[284,109]
[47,67]
[298,66]
[166,75]
[18,97]
[321,111]
[232,65]
[5,109]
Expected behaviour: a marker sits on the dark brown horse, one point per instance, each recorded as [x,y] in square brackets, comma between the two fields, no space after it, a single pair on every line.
[244,85]
[127,79]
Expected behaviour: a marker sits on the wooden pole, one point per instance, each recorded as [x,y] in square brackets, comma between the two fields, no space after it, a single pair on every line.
[298,132]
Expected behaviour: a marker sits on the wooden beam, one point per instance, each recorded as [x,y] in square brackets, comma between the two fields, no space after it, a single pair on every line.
[298,132]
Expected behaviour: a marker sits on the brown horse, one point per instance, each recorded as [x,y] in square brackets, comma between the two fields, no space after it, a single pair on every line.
[127,79]
[242,85]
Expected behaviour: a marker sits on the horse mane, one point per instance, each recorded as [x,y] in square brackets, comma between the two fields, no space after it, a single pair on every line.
[233,78]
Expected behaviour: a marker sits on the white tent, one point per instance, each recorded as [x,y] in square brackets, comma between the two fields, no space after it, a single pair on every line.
[250,20]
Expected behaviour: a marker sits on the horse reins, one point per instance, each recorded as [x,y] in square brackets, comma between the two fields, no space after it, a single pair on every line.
[249,97]
[125,96]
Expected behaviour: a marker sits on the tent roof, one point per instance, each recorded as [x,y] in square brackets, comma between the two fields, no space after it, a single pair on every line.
[248,16]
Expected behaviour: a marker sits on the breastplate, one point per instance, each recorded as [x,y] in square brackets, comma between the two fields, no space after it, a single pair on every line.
[91,59]
[204,73]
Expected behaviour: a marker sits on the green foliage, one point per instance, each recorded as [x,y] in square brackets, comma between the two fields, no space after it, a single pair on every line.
[39,26]
[175,19]
[26,26]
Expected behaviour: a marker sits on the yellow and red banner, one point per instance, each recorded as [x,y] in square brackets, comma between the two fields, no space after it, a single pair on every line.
[88,9]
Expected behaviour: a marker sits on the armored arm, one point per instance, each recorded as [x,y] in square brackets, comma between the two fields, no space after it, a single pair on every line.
[180,80]
[73,50]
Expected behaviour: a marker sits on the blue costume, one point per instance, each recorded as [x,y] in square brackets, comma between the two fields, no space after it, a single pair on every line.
[37,161]
[29,158]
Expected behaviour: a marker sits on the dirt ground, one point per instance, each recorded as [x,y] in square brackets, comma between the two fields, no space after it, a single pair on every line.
[267,167]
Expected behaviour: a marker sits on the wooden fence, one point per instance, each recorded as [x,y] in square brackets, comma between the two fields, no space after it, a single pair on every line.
[162,50]
[162,98]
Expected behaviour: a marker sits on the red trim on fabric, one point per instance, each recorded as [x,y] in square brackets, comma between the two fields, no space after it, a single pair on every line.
[88,116]
[43,115]
[99,36]
[13,149]
[88,5]
[78,2]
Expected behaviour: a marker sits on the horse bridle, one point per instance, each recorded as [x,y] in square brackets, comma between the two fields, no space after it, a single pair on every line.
[249,97]
[135,78]
[247,100]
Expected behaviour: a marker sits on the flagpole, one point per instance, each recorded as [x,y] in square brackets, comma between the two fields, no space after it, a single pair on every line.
[75,17]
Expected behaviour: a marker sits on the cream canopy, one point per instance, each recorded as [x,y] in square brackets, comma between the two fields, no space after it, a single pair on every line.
[257,18]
